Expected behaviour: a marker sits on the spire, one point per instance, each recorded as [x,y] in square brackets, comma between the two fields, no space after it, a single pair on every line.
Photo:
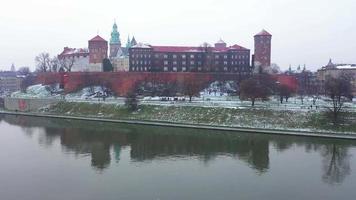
[133,41]
[115,35]
[128,43]
[13,67]
[330,64]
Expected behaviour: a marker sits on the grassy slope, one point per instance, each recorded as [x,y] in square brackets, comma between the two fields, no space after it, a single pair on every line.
[259,118]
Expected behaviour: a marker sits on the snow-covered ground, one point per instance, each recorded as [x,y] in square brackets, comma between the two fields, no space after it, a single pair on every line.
[211,97]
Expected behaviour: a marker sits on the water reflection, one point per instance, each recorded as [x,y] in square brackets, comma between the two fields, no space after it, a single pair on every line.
[102,141]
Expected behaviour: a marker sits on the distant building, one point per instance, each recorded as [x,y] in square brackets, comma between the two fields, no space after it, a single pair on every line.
[219,58]
[10,82]
[307,82]
[337,70]
[262,56]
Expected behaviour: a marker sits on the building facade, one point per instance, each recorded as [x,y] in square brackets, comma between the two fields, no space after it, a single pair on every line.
[336,71]
[219,58]
[10,82]
[263,48]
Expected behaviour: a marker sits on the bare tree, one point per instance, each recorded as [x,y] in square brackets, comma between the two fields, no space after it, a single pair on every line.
[54,64]
[67,63]
[285,92]
[338,90]
[256,87]
[191,85]
[43,62]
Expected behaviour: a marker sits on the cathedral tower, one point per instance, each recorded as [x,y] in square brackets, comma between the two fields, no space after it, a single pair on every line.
[115,43]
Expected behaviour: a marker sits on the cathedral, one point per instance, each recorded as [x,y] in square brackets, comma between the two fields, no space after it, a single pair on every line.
[119,54]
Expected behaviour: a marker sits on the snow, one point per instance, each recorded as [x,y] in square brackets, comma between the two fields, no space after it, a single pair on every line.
[39,91]
[346,67]
[213,96]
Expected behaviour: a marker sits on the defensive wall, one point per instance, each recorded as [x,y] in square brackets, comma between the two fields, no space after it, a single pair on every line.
[123,82]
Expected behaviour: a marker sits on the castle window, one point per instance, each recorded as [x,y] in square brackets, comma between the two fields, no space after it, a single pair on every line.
[175,69]
[216,56]
[183,56]
[165,56]
[225,56]
[174,62]
[165,69]
[174,56]
[165,62]
[184,63]
[191,55]
[192,62]
[184,69]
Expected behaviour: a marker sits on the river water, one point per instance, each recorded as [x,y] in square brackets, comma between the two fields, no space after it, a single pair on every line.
[62,159]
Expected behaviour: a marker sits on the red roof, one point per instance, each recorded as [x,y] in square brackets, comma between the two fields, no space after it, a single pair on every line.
[263,33]
[194,49]
[98,38]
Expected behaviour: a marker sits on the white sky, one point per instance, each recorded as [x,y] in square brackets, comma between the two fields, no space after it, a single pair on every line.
[304,31]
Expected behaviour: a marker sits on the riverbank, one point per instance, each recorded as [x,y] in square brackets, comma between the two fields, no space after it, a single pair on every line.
[228,119]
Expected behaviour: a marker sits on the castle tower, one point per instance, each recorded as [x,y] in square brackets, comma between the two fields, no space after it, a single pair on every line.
[262,56]
[115,43]
[98,50]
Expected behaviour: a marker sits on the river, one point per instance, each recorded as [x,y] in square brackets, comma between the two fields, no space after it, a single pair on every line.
[56,159]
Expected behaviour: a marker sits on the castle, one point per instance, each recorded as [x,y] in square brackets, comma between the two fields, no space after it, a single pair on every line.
[138,57]
[90,59]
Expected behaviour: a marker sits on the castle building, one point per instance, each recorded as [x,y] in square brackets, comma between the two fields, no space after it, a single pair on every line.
[98,50]
[205,58]
[262,55]
[77,58]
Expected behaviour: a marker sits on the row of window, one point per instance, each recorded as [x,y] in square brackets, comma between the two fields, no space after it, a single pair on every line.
[200,63]
[175,69]
[144,62]
[184,56]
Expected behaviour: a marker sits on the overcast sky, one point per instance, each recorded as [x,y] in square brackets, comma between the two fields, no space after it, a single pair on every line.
[304,31]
